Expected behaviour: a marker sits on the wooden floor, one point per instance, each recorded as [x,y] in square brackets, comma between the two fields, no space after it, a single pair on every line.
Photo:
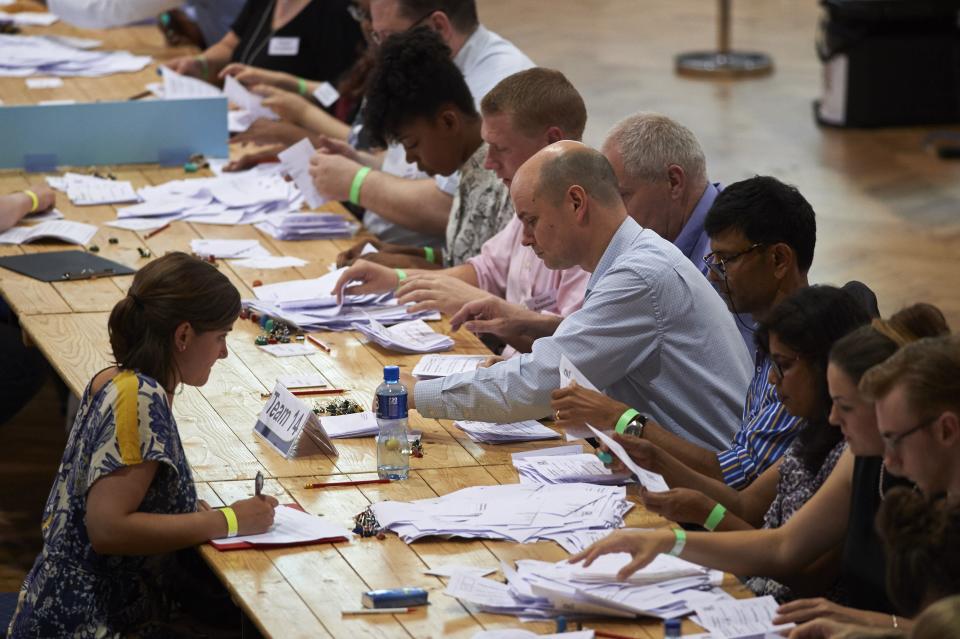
[889,214]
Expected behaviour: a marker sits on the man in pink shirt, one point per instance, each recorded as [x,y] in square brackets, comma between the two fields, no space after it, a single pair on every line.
[522,114]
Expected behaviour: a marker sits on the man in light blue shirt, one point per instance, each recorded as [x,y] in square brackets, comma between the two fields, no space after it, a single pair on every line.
[651,332]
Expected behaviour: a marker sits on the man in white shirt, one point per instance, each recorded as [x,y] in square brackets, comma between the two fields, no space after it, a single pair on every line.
[404,205]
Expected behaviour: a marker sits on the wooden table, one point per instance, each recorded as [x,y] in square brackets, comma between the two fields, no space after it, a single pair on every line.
[297,591]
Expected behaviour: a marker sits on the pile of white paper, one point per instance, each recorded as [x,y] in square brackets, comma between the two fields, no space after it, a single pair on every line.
[308,226]
[740,618]
[414,336]
[181,87]
[88,190]
[489,433]
[516,512]
[291,526]
[228,248]
[352,425]
[667,588]
[22,56]
[433,366]
[311,305]
[63,230]
[560,469]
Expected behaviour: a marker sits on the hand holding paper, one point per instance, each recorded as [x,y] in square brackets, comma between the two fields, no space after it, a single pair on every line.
[651,481]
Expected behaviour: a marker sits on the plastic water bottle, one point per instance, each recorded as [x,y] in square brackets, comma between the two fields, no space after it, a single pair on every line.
[393,447]
[671,628]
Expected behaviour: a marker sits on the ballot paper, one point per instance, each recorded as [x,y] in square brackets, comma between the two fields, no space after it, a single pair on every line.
[351,425]
[295,161]
[43,216]
[245,100]
[516,633]
[291,527]
[433,366]
[308,226]
[293,382]
[22,55]
[288,350]
[141,224]
[179,87]
[570,449]
[30,18]
[653,482]
[515,512]
[740,618]
[558,469]
[270,262]
[228,248]
[580,540]
[489,433]
[570,373]
[64,230]
[414,336]
[87,190]
[450,570]
[662,568]
[44,83]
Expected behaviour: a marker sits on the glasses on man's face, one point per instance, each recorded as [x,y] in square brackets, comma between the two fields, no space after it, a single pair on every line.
[891,441]
[718,264]
[781,366]
[378,37]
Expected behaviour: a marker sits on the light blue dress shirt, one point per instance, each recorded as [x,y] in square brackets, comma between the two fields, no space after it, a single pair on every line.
[652,333]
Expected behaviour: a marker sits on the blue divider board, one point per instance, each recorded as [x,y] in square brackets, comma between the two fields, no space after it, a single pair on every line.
[43,137]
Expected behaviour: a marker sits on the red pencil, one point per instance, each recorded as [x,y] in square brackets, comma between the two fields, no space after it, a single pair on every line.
[307,393]
[319,344]
[155,231]
[359,482]
[609,635]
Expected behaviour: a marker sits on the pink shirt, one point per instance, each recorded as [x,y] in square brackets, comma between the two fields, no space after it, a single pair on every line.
[512,271]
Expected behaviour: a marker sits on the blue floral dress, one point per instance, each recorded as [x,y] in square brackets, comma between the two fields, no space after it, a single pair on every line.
[71,589]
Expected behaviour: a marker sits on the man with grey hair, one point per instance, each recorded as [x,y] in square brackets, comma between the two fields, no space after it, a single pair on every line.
[662,175]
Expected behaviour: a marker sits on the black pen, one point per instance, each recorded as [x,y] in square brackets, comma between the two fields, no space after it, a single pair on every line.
[258,484]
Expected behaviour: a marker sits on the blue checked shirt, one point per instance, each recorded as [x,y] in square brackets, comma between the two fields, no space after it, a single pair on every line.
[765,434]
[652,333]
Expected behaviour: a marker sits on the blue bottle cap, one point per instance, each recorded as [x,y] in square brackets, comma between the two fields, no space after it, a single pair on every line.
[391,374]
[671,628]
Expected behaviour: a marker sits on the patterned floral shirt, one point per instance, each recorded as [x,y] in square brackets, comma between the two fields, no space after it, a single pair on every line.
[479,210]
[72,590]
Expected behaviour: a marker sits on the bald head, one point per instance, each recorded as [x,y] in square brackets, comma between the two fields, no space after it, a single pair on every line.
[557,167]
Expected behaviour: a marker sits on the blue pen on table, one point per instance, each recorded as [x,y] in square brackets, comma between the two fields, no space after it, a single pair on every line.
[258,484]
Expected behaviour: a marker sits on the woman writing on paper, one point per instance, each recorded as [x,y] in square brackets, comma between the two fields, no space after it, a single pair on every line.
[123,500]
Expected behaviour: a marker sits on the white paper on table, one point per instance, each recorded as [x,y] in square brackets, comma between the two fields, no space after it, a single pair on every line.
[653,482]
[240,96]
[291,526]
[30,18]
[662,568]
[228,248]
[288,350]
[740,618]
[141,224]
[295,290]
[296,163]
[309,380]
[227,218]
[528,430]
[87,190]
[271,262]
[432,366]
[45,216]
[163,206]
[552,469]
[516,633]
[414,336]
[44,83]
[64,230]
[362,424]
[178,87]
[479,590]
[449,570]
[573,449]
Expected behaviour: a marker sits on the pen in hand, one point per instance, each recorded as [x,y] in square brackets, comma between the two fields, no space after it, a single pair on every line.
[258,484]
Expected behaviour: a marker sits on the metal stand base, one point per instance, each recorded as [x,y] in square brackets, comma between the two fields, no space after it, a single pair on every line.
[734,64]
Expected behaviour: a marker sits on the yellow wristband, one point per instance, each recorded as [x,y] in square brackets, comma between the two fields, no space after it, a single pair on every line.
[34,199]
[233,527]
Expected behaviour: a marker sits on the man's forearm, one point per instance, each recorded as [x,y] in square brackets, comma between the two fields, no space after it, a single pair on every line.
[417,205]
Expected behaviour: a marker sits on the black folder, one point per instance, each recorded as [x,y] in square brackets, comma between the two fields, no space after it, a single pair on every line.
[64,266]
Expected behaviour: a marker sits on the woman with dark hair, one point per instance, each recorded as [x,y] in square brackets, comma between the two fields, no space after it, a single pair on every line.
[123,500]
[839,515]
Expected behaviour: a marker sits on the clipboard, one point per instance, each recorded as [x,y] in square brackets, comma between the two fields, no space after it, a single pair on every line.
[64,266]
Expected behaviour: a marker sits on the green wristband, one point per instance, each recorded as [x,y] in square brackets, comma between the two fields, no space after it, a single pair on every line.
[715,517]
[202,59]
[628,414]
[358,179]
[302,86]
[681,541]
[429,254]
[401,275]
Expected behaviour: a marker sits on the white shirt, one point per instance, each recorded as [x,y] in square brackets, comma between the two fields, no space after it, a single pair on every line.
[484,59]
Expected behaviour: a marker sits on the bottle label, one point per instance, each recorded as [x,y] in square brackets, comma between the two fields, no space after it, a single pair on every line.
[392,406]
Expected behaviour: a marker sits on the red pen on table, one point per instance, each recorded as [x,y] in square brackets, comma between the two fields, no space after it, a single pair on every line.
[307,393]
[359,482]
[609,635]
[318,343]
[155,231]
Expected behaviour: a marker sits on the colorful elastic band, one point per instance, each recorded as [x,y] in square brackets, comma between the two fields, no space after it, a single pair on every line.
[681,536]
[33,199]
[628,414]
[715,517]
[233,527]
[358,179]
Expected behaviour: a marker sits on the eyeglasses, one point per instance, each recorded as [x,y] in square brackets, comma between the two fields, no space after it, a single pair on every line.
[891,441]
[379,36]
[719,264]
[779,368]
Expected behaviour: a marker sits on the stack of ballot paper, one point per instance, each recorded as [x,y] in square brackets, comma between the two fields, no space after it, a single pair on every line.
[308,226]
[227,249]
[667,588]
[311,305]
[291,527]
[433,366]
[87,190]
[560,469]
[489,433]
[22,56]
[63,230]
[414,336]
[517,512]
[352,425]
[740,618]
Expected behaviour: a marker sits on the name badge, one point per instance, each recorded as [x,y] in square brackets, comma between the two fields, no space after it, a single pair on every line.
[542,301]
[284,46]
[326,94]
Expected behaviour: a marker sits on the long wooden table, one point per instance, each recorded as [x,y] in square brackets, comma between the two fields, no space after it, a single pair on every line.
[297,591]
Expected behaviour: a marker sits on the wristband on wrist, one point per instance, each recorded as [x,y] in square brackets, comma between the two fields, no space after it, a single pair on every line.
[429,253]
[715,517]
[35,201]
[401,275]
[628,414]
[202,59]
[233,526]
[302,86]
[358,179]
[681,541]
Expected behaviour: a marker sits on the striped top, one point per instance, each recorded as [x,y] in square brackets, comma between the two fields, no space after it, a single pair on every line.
[765,434]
